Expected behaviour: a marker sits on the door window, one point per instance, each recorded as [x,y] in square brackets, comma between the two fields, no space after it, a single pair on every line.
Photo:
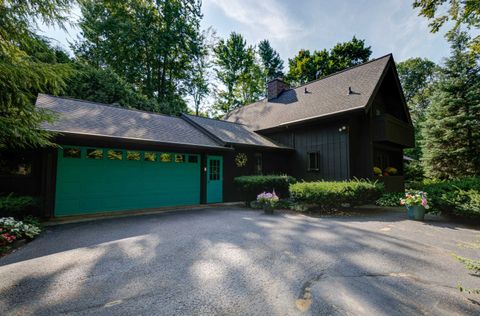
[214,173]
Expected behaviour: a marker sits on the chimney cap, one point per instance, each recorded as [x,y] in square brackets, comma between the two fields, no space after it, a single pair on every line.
[276,79]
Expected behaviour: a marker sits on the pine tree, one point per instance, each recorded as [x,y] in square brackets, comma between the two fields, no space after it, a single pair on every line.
[451,145]
[271,61]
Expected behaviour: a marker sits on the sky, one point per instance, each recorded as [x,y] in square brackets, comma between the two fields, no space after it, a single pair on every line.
[388,26]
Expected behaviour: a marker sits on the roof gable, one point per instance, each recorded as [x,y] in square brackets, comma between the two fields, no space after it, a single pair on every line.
[231,133]
[323,97]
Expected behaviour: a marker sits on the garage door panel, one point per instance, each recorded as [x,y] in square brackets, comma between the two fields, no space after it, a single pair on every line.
[86,186]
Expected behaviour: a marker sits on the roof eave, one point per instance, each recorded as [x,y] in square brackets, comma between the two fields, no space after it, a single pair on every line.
[130,140]
[310,119]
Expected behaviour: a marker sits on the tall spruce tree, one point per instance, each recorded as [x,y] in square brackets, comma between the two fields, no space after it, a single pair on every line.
[238,72]
[451,145]
[271,61]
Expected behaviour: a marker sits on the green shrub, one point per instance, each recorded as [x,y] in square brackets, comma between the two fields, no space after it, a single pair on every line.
[251,186]
[454,197]
[390,199]
[413,171]
[18,206]
[331,195]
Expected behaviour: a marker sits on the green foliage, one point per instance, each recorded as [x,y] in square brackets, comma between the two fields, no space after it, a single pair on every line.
[105,86]
[390,199]
[238,72]
[12,230]
[455,197]
[271,61]
[149,44]
[331,195]
[417,77]
[451,144]
[413,171]
[17,206]
[251,186]
[28,66]
[460,13]
[307,66]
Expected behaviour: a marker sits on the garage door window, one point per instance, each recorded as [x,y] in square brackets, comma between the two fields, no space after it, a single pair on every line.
[192,159]
[115,154]
[165,157]
[133,155]
[72,153]
[179,158]
[94,153]
[214,169]
[149,156]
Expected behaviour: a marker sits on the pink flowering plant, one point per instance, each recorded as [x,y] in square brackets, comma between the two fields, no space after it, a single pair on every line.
[415,198]
[267,199]
[12,230]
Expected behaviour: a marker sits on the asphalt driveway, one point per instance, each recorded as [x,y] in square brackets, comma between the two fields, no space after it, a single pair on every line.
[237,261]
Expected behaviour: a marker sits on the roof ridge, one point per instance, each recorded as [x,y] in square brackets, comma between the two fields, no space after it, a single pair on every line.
[319,79]
[107,105]
[214,119]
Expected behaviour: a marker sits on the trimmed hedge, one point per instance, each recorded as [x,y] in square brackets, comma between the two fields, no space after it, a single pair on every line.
[251,186]
[453,197]
[331,195]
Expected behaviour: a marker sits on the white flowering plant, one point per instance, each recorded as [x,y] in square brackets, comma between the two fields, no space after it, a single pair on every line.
[12,230]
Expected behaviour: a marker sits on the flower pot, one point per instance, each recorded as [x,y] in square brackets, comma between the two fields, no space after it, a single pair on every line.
[418,212]
[409,211]
[268,209]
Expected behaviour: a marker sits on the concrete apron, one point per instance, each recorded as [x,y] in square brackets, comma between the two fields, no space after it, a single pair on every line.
[106,215]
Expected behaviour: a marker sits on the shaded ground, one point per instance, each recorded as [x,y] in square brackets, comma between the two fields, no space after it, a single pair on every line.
[237,261]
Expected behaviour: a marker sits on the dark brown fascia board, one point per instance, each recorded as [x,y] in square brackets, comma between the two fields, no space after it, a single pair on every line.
[309,120]
[202,129]
[241,145]
[65,136]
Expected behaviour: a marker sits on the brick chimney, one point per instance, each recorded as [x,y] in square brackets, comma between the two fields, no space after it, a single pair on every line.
[275,87]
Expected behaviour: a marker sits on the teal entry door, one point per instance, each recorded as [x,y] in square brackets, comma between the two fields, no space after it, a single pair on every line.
[214,179]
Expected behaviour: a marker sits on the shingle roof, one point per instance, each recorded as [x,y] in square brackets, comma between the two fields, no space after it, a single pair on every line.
[231,133]
[84,117]
[325,96]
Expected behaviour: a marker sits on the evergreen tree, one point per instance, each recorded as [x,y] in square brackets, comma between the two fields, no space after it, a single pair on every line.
[271,61]
[28,66]
[238,72]
[451,145]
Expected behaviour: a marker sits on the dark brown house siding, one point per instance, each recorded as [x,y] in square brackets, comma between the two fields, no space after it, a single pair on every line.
[327,138]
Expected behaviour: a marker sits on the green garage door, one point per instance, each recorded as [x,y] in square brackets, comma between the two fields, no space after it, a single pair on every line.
[92,180]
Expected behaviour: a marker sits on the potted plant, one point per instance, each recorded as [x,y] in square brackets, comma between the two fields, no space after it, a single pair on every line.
[268,201]
[416,203]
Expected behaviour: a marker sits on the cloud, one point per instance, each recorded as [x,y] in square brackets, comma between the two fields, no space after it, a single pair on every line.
[266,18]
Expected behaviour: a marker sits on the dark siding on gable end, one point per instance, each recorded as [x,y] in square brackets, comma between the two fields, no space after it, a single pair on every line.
[326,139]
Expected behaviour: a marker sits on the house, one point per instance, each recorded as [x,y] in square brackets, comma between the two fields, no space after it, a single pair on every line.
[115,159]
